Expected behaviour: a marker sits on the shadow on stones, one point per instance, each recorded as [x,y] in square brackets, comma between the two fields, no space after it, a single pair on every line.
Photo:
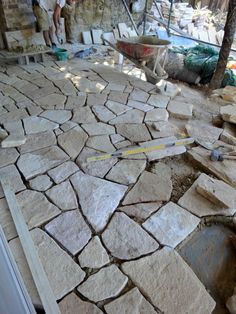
[212,256]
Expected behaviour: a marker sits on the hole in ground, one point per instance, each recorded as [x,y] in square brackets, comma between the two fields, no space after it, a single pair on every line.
[211,255]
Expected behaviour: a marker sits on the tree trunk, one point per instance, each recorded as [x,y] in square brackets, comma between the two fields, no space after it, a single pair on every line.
[230,27]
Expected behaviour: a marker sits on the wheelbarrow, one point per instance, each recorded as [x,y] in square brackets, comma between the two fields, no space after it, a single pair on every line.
[147,53]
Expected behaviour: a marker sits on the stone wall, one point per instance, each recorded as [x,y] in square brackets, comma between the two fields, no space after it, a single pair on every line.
[16,14]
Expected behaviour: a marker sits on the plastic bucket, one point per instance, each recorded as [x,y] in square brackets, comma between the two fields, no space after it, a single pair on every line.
[61,54]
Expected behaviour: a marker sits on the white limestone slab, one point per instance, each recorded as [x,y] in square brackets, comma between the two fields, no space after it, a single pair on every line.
[63,273]
[173,286]
[94,254]
[171,224]
[98,198]
[105,284]
[70,230]
[125,239]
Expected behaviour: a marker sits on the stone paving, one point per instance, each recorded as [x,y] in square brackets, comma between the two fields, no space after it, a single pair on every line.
[106,231]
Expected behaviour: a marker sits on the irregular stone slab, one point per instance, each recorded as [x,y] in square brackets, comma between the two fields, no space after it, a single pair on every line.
[68,126]
[156,115]
[98,168]
[40,183]
[101,143]
[159,101]
[66,87]
[200,205]
[134,132]
[96,99]
[105,284]
[116,138]
[162,153]
[73,141]
[71,303]
[228,113]
[124,144]
[35,208]
[224,170]
[162,129]
[40,161]
[13,177]
[87,86]
[98,129]
[118,97]
[203,132]
[34,125]
[70,230]
[139,105]
[180,110]
[75,101]
[94,255]
[171,224]
[149,188]
[13,116]
[139,95]
[125,239]
[83,115]
[140,211]
[15,127]
[57,116]
[53,101]
[13,140]
[138,83]
[103,114]
[126,171]
[132,302]
[132,116]
[174,283]
[117,107]
[63,172]
[229,133]
[38,141]
[63,273]
[116,87]
[98,198]
[8,156]
[217,192]
[63,196]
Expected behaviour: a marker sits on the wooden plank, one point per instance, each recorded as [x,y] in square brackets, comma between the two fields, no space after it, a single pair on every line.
[41,281]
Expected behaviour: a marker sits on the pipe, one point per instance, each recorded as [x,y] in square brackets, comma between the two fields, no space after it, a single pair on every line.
[145,18]
[130,16]
[168,26]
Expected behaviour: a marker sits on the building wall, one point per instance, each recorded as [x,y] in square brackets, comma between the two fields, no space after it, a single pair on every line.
[17,15]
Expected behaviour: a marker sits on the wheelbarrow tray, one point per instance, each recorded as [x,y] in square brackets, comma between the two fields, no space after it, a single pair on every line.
[142,47]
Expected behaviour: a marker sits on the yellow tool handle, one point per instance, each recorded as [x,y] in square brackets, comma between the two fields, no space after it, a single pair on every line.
[182,142]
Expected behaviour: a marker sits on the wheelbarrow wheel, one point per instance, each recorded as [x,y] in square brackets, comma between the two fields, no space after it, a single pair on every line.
[158,75]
